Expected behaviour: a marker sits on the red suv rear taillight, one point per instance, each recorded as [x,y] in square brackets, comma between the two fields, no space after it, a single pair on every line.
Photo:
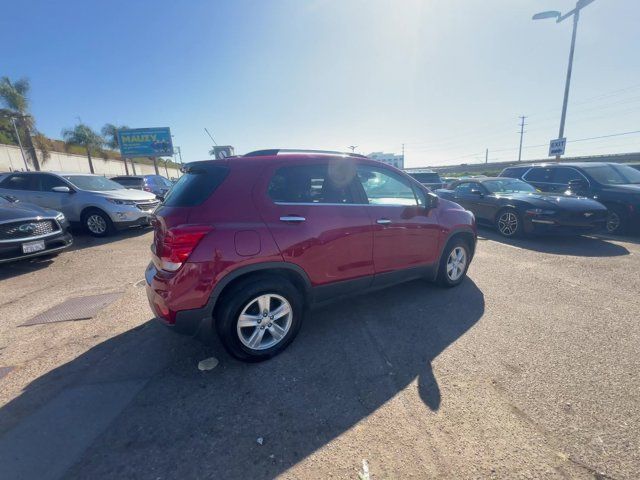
[177,243]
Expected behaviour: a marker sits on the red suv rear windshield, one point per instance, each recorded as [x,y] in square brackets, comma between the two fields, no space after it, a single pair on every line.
[197,184]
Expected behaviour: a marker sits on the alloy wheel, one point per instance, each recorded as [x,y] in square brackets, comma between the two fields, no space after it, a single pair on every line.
[456,263]
[264,321]
[508,224]
[96,224]
[613,222]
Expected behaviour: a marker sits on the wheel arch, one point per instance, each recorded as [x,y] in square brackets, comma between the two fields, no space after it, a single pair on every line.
[290,271]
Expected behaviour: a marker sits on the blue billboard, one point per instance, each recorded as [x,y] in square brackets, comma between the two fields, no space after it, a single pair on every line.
[145,142]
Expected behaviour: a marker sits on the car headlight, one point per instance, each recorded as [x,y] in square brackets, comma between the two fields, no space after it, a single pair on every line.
[540,211]
[121,202]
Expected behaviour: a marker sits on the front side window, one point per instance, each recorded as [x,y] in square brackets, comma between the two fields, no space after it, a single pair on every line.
[48,182]
[539,174]
[466,188]
[385,188]
[563,175]
[326,183]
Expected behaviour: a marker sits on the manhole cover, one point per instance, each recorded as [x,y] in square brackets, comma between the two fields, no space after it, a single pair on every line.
[79,308]
[4,371]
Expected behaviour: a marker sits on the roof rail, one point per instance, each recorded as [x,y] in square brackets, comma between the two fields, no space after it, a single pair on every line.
[278,151]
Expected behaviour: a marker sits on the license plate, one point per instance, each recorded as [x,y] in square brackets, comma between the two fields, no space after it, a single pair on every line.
[32,247]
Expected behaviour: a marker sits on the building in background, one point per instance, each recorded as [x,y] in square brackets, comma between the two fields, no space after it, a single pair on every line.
[388,158]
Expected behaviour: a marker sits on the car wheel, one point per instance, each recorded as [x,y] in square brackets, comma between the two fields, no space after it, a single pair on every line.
[259,318]
[508,223]
[617,221]
[454,263]
[97,223]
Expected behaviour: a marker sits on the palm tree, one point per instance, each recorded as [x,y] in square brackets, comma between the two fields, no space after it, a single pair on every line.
[110,134]
[83,136]
[14,96]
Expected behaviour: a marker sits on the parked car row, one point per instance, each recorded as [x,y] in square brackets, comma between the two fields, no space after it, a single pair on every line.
[39,207]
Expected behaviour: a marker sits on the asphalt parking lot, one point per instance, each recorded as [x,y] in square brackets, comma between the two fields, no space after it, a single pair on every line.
[529,369]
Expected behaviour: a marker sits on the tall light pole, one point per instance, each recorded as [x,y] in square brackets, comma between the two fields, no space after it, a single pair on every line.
[353,148]
[580,4]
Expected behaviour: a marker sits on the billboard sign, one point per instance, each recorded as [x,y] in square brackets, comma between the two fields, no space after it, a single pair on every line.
[145,142]
[556,147]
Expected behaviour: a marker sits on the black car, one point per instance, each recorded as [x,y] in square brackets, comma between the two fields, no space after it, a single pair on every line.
[27,230]
[615,185]
[429,179]
[156,184]
[514,207]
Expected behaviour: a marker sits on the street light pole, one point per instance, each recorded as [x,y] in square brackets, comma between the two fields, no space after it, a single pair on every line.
[580,4]
[576,17]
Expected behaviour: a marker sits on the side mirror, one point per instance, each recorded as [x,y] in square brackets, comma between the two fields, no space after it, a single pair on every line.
[62,189]
[475,191]
[432,200]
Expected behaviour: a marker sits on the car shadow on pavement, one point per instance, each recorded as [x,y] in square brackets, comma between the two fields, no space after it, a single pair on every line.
[82,239]
[578,246]
[238,420]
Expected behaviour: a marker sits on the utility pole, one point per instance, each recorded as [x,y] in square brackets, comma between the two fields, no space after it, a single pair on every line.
[24,158]
[403,155]
[521,135]
[486,156]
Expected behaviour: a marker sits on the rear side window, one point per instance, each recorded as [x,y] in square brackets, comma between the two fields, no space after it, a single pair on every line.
[197,184]
[513,172]
[20,182]
[315,184]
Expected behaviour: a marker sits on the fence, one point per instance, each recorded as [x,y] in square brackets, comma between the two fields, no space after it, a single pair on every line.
[11,160]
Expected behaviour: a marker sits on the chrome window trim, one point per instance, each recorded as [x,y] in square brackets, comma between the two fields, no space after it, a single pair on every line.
[317,204]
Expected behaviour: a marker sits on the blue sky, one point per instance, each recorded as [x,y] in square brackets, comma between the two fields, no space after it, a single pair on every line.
[448,78]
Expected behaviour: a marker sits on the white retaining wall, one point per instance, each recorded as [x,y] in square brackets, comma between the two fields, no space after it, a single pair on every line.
[11,159]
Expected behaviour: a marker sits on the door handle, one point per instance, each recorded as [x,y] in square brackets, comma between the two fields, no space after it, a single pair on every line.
[292,219]
[383,221]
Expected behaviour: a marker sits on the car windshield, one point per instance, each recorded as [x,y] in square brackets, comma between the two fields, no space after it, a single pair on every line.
[508,186]
[93,182]
[613,174]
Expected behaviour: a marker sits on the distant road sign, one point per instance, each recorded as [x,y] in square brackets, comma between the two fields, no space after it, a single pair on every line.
[145,142]
[556,147]
[223,151]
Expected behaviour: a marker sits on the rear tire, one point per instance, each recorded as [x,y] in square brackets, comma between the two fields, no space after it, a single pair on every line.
[258,318]
[454,263]
[508,223]
[97,223]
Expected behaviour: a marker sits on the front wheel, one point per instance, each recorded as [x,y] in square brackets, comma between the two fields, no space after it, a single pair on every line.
[617,222]
[508,223]
[97,223]
[259,318]
[454,263]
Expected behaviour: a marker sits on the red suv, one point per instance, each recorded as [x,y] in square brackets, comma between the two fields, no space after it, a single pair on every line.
[250,242]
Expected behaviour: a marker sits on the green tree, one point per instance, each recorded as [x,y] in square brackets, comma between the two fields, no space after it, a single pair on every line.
[110,134]
[14,96]
[82,135]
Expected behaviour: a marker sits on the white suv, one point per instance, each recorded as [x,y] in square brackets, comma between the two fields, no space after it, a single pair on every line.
[98,204]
